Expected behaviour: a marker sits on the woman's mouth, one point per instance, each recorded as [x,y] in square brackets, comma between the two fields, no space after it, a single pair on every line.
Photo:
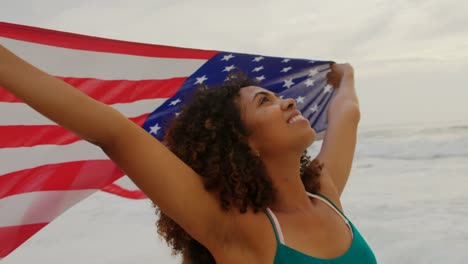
[295,119]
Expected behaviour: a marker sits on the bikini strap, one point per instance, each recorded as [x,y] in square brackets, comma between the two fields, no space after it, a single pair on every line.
[330,203]
[334,207]
[276,226]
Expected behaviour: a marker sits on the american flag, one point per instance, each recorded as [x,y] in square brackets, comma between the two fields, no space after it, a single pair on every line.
[44,169]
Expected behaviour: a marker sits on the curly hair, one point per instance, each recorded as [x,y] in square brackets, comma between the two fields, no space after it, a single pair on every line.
[209,136]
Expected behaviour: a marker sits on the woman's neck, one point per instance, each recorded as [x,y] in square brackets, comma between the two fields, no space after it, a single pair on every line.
[290,193]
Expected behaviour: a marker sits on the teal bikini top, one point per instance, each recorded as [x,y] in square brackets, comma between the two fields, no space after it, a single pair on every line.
[358,253]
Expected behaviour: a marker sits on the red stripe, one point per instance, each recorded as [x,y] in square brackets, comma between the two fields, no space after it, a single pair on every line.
[83,42]
[76,175]
[117,190]
[29,136]
[116,91]
[12,237]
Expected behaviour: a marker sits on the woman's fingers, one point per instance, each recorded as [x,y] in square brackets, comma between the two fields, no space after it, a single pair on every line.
[337,71]
[342,68]
[333,79]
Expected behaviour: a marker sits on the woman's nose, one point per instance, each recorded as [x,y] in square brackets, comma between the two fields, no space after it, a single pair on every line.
[289,103]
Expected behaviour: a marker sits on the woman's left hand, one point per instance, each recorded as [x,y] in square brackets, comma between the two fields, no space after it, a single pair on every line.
[338,71]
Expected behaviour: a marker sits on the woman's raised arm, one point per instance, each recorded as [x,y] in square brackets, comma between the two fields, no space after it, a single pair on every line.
[164,178]
[339,142]
[55,99]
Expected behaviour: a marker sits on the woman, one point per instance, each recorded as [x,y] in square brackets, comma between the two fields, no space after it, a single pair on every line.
[233,187]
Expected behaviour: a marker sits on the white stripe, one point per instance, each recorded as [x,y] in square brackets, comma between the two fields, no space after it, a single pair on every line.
[139,107]
[22,114]
[90,64]
[126,183]
[13,159]
[38,207]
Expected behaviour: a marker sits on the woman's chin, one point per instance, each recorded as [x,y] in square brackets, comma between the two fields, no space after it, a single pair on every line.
[312,136]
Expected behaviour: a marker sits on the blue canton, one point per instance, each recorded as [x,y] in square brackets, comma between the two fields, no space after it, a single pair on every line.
[303,80]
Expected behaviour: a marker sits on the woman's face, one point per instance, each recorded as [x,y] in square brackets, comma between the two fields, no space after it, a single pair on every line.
[275,125]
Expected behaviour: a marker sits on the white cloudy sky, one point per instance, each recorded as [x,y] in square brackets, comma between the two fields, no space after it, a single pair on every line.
[410,57]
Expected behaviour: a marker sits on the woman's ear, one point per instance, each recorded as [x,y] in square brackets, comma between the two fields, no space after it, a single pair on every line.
[256,153]
[254,148]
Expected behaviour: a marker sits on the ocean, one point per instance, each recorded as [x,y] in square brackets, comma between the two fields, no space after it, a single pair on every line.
[407,194]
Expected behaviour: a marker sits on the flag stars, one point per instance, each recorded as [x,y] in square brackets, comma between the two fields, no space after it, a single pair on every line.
[288,83]
[257,69]
[300,99]
[154,129]
[286,69]
[200,80]
[313,72]
[229,68]
[175,102]
[309,82]
[285,60]
[257,59]
[327,88]
[227,57]
[314,108]
[260,78]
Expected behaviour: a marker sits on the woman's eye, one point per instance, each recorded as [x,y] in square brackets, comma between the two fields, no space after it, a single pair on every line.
[263,99]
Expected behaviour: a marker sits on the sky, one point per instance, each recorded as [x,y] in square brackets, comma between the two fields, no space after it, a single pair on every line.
[410,57]
[410,60]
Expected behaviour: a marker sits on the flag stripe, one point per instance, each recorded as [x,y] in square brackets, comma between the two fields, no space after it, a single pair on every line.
[126,183]
[20,114]
[14,159]
[108,66]
[125,187]
[29,136]
[34,207]
[12,237]
[115,91]
[118,190]
[78,175]
[90,43]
